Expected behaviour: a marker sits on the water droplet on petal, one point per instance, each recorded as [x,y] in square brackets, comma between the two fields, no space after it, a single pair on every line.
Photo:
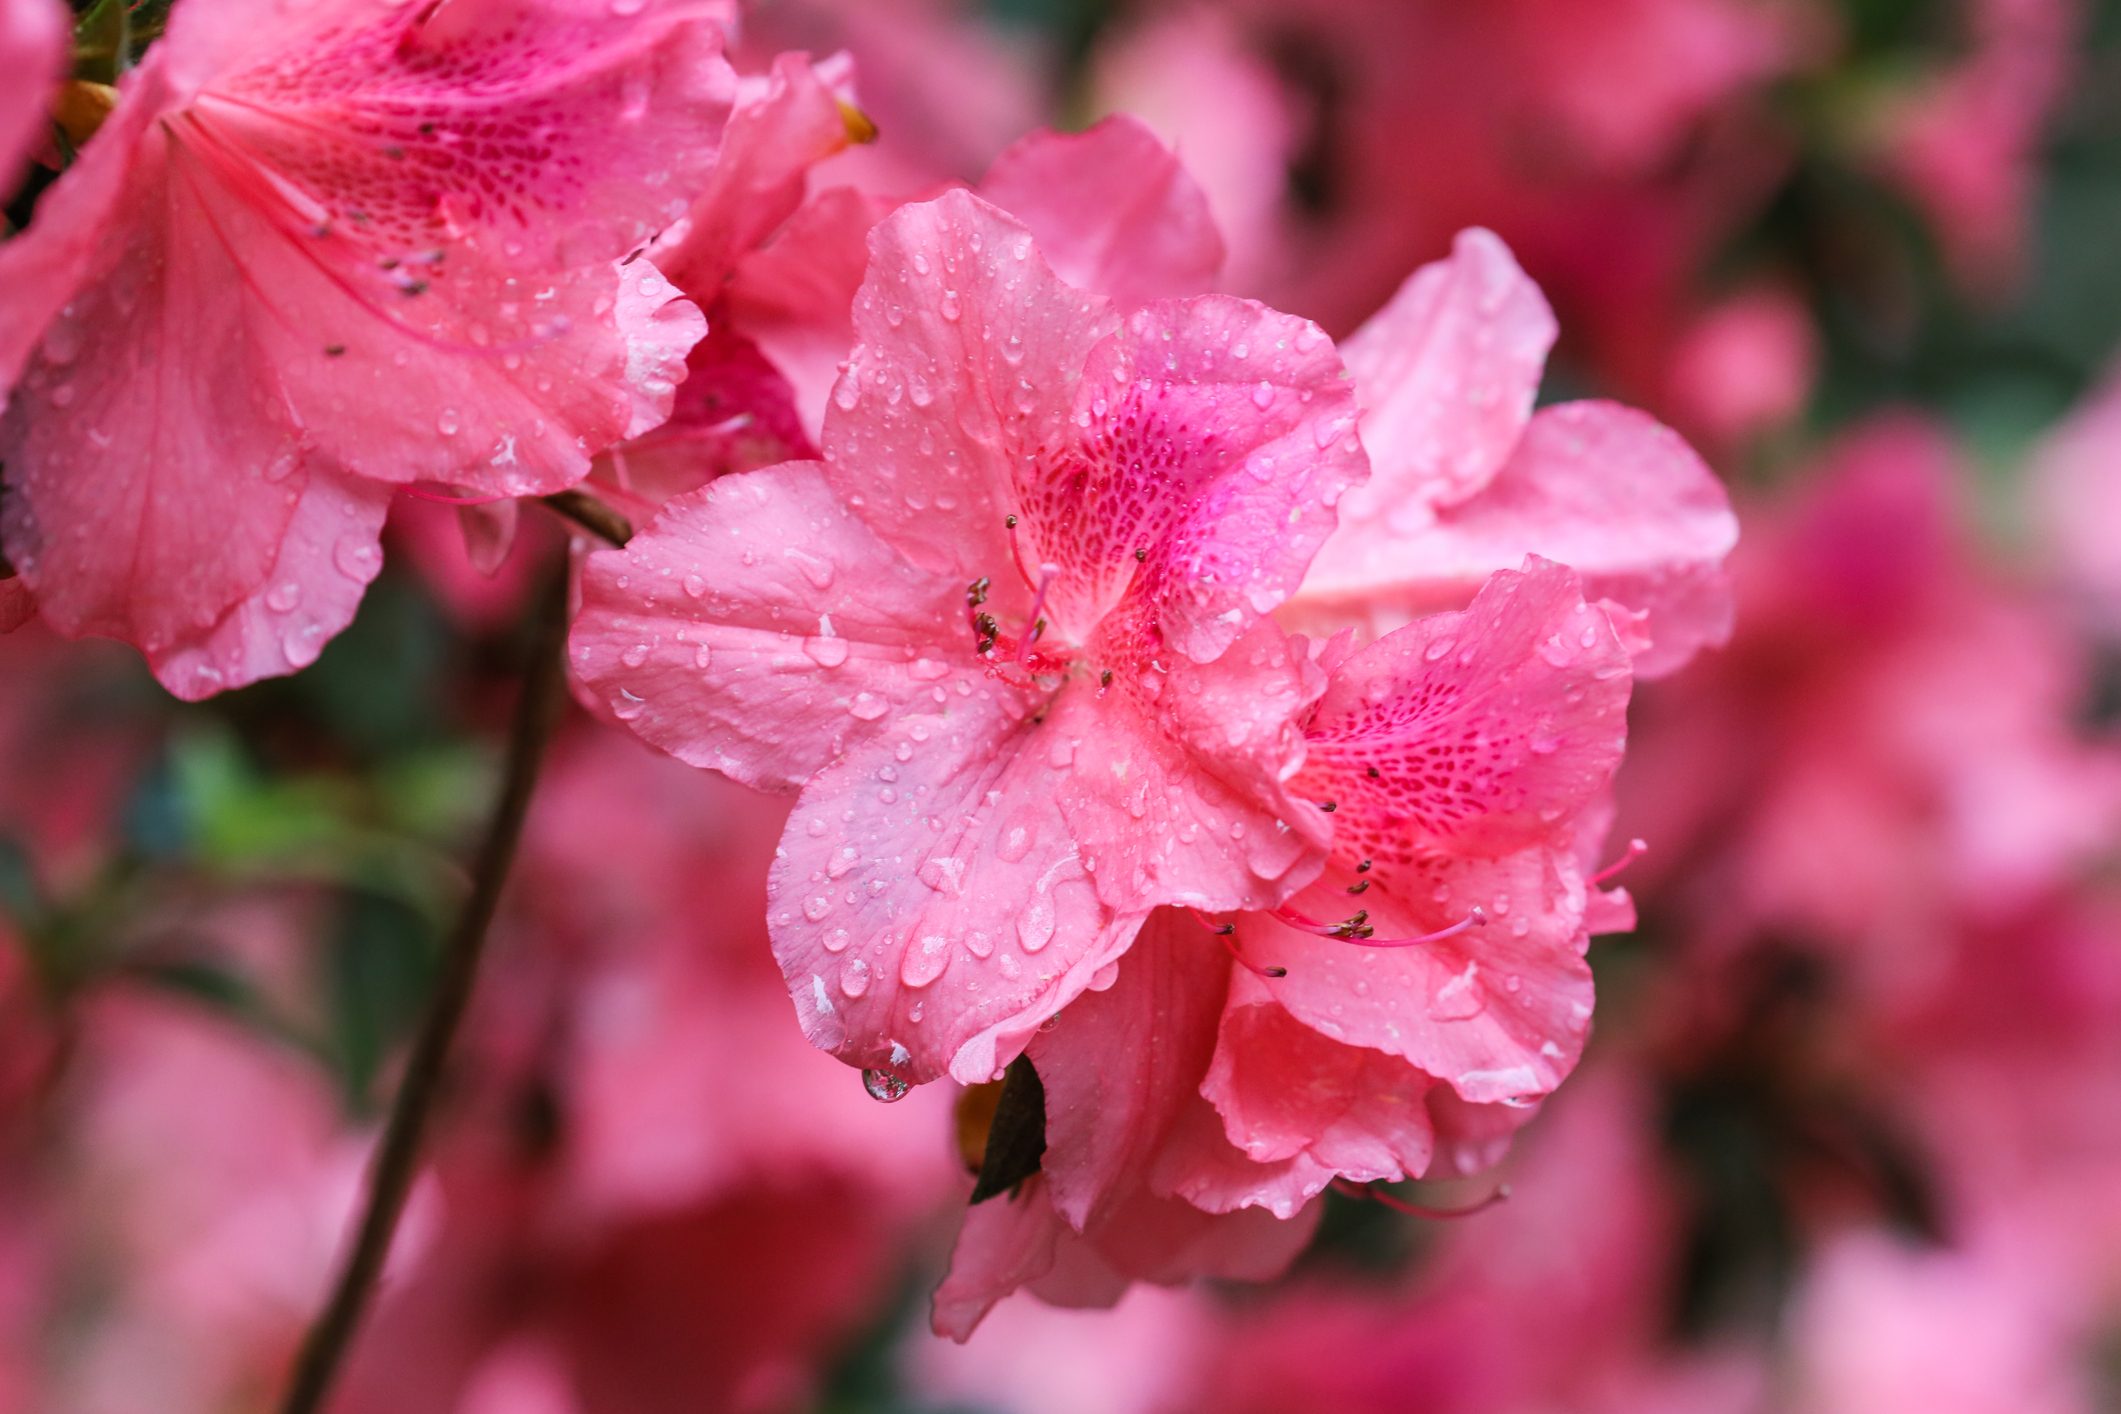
[883,1086]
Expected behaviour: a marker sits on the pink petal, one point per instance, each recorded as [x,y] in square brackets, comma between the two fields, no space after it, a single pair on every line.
[489,530]
[1285,1090]
[1599,487]
[929,906]
[1209,442]
[969,352]
[1010,1243]
[561,135]
[152,465]
[734,412]
[784,123]
[1446,372]
[759,628]
[33,37]
[326,559]
[793,298]
[1121,1065]
[1113,211]
[1498,1012]
[42,267]
[1181,798]
[1004,1244]
[1484,730]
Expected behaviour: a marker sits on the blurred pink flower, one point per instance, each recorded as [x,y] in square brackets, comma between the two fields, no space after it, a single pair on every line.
[1466,479]
[1965,142]
[1746,366]
[1907,715]
[2075,491]
[1188,75]
[1983,1330]
[948,88]
[425,206]
[1029,1358]
[206,1171]
[1127,498]
[33,37]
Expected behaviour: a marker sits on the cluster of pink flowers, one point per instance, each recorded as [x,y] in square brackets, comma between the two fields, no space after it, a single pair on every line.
[1222,721]
[1171,708]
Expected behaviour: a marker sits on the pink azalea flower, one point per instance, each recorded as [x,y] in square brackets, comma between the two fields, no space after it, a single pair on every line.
[33,38]
[1466,479]
[1407,1037]
[317,254]
[1009,637]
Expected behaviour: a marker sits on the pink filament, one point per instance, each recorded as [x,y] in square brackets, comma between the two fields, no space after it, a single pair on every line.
[1401,1205]
[1635,850]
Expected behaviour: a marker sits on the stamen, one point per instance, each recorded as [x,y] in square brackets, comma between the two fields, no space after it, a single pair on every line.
[1419,1210]
[1047,573]
[1227,932]
[1635,850]
[1357,929]
[414,489]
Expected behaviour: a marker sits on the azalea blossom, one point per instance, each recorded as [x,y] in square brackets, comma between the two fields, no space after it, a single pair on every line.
[1398,1017]
[1009,637]
[318,253]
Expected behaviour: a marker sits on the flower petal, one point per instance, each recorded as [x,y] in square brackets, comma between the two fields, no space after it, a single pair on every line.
[758,627]
[929,906]
[326,559]
[1120,1065]
[1113,211]
[1498,1012]
[1023,1242]
[1210,440]
[969,348]
[1181,798]
[785,122]
[1596,486]
[1446,372]
[1285,1090]
[1483,730]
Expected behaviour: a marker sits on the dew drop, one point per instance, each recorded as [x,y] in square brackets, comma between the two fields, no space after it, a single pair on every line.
[885,1087]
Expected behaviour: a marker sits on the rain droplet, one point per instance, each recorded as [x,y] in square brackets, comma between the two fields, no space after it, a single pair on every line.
[883,1086]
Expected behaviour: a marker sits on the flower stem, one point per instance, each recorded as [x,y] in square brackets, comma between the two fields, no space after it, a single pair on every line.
[397,1158]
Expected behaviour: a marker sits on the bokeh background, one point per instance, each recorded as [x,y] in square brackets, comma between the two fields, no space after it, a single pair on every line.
[1848,1137]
